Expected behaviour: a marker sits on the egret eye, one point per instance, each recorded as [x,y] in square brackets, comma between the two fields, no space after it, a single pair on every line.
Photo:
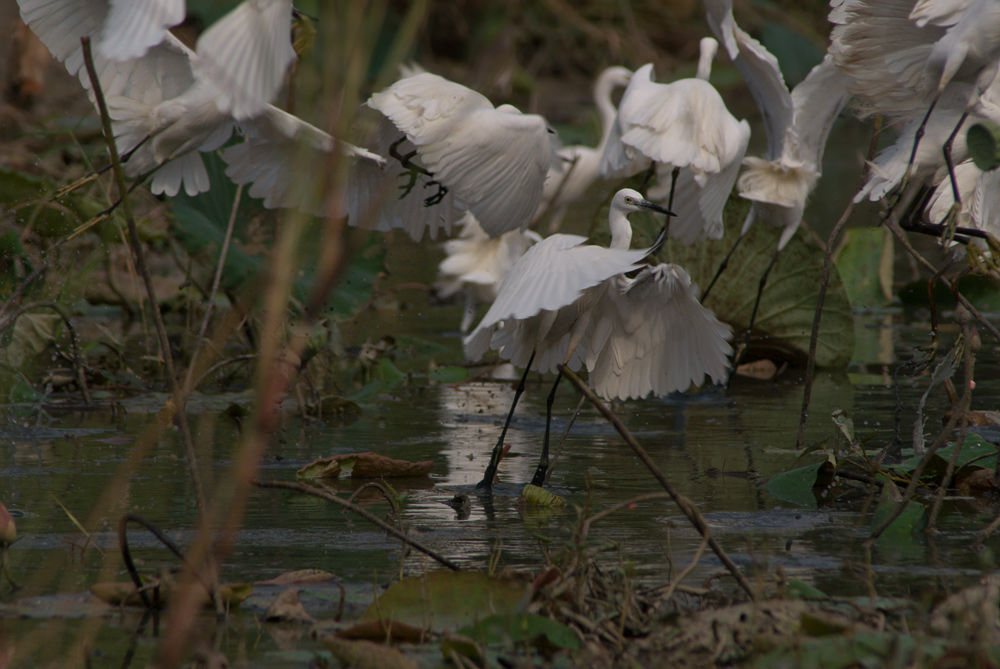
[628,199]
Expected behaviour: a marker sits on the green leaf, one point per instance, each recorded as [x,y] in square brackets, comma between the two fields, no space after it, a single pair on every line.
[788,305]
[900,535]
[860,649]
[445,600]
[974,447]
[865,263]
[798,588]
[796,486]
[520,629]
[983,140]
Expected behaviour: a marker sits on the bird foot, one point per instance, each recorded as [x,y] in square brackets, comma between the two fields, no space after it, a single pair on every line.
[438,196]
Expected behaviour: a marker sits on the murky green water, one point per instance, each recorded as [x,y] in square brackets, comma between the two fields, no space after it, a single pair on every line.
[714,447]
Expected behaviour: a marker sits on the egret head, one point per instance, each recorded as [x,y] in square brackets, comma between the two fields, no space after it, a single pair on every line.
[628,201]
[614,77]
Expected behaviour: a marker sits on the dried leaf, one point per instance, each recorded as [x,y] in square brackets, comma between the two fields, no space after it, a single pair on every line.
[8,529]
[366,654]
[300,577]
[118,592]
[287,607]
[363,465]
[758,369]
[384,630]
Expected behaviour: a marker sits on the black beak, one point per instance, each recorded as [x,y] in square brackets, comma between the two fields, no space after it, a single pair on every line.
[655,207]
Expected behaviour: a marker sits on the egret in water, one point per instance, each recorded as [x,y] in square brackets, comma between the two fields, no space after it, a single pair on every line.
[797,124]
[476,264]
[469,154]
[684,130]
[170,103]
[568,303]
[576,167]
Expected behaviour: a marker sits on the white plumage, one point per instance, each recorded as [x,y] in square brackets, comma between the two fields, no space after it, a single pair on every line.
[570,303]
[683,125]
[797,124]
[171,100]
[476,264]
[492,161]
[576,166]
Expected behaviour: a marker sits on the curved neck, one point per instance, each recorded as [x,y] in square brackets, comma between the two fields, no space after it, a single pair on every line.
[708,49]
[621,229]
[605,107]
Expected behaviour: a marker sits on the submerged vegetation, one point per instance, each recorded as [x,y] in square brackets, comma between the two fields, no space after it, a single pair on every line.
[294,366]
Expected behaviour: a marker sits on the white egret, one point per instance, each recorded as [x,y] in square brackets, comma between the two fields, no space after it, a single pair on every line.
[941,58]
[797,124]
[476,264]
[576,167]
[490,161]
[565,302]
[685,130]
[168,104]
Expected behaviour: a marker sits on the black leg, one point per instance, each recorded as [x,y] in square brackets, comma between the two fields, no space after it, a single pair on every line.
[917,136]
[951,219]
[491,469]
[722,267]
[543,462]
[753,315]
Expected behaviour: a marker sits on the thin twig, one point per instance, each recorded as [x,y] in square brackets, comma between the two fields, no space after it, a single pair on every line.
[584,530]
[958,413]
[210,303]
[555,456]
[892,226]
[969,350]
[354,508]
[19,291]
[676,580]
[831,243]
[143,267]
[687,507]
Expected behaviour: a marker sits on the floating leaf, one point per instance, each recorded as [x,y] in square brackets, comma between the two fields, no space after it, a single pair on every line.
[860,649]
[287,607]
[300,577]
[445,600]
[363,465]
[366,654]
[900,533]
[119,592]
[799,588]
[796,486]
[522,628]
[384,630]
[973,448]
[532,494]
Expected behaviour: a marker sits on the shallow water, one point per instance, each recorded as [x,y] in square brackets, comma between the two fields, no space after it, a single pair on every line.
[715,448]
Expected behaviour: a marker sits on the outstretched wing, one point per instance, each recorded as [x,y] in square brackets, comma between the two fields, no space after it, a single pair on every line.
[651,334]
[245,55]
